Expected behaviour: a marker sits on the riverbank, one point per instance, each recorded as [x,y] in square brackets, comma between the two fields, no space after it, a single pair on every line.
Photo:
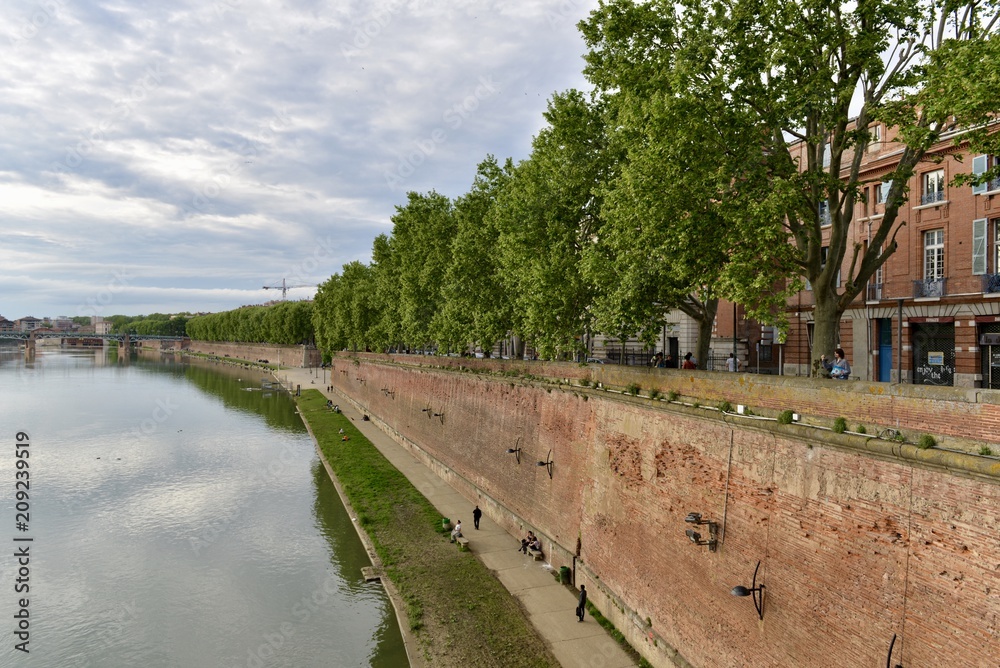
[457,611]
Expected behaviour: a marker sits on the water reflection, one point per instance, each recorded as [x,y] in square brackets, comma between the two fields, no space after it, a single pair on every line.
[181,520]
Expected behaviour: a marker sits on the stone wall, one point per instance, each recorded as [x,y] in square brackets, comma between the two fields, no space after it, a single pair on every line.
[858,539]
[294,356]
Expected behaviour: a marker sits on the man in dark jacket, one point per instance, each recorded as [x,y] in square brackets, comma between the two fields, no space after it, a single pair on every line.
[476,514]
[580,609]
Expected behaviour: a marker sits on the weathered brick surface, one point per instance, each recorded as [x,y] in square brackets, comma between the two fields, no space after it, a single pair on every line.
[854,547]
[297,356]
[965,413]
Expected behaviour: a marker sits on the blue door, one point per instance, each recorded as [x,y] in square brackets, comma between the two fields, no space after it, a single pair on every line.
[885,349]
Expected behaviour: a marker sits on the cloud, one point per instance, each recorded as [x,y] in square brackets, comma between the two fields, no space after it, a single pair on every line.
[206,148]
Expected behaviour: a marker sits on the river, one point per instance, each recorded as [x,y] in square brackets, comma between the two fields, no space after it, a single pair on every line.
[178,515]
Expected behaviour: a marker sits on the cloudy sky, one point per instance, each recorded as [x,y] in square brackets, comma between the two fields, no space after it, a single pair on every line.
[177,156]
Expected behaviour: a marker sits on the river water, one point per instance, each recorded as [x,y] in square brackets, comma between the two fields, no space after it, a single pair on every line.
[179,516]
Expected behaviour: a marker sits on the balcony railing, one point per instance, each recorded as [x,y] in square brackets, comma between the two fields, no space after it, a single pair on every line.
[874,292]
[932,197]
[929,287]
[991,282]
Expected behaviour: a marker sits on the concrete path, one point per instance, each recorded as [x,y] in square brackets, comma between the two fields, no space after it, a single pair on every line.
[550,605]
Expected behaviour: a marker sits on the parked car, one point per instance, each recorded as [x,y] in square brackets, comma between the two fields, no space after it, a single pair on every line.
[594,360]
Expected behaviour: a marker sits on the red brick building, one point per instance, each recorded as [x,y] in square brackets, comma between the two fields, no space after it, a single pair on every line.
[939,294]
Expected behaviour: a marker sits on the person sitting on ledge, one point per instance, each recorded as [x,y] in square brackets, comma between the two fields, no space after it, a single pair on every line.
[457,531]
[526,542]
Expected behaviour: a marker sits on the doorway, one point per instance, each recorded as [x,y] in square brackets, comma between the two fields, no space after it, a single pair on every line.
[884,328]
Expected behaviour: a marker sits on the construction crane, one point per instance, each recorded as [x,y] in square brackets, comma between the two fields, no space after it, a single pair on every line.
[284,287]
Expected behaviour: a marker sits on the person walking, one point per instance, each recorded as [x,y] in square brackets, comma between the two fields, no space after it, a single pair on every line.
[476,514]
[582,607]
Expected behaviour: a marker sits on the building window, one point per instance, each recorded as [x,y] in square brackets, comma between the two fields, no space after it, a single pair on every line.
[980,165]
[933,255]
[875,138]
[882,192]
[986,253]
[933,187]
[824,213]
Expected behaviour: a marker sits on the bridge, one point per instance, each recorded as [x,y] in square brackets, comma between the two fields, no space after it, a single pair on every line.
[124,339]
[35,335]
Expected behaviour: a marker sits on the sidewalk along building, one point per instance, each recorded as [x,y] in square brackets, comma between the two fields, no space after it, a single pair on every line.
[931,314]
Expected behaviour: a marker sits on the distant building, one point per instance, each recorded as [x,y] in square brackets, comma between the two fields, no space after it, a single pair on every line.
[28,324]
[63,324]
[6,325]
[943,281]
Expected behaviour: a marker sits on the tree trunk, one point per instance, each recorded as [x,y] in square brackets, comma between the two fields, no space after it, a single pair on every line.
[825,334]
[705,324]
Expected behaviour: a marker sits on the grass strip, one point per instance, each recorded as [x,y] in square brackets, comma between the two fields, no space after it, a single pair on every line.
[617,635]
[458,610]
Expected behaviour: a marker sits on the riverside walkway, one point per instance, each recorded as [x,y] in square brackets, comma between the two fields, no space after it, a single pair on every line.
[549,605]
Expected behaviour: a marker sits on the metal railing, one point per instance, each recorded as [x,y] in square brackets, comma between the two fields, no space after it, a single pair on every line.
[932,197]
[929,287]
[991,283]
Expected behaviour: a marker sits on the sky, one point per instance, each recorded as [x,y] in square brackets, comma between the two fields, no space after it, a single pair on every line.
[179,156]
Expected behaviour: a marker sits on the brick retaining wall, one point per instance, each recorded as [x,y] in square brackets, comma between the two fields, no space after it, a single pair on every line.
[858,539]
[294,356]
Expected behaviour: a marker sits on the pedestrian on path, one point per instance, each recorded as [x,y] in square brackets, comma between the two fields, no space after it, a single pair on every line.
[580,609]
[476,514]
[732,364]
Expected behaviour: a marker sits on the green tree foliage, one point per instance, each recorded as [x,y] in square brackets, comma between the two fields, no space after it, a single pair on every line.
[477,302]
[676,235]
[546,215]
[345,313]
[794,86]
[420,248]
[285,323]
[154,324]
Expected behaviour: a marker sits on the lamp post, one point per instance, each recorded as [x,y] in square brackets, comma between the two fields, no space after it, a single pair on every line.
[736,359]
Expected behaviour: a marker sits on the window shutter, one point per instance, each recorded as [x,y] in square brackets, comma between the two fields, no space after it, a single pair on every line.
[885,190]
[978,167]
[979,246]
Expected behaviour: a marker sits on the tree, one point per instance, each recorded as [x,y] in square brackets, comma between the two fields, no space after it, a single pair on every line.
[547,214]
[809,77]
[420,248]
[477,302]
[690,166]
